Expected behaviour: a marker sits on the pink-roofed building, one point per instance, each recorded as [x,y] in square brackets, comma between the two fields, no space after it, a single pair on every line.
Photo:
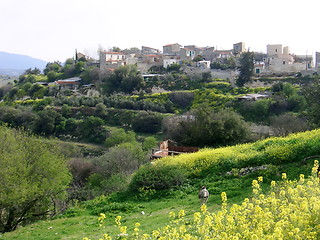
[112,58]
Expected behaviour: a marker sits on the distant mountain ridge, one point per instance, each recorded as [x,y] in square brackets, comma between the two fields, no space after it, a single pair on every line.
[16,64]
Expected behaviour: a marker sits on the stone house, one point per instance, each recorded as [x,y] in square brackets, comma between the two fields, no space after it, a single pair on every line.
[149,50]
[280,60]
[171,49]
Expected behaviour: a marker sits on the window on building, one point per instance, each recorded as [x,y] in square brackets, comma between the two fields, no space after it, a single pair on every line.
[284,62]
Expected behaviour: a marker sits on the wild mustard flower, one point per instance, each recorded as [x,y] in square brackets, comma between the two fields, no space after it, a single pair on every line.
[106,237]
[284,176]
[123,230]
[172,215]
[181,213]
[287,212]
[118,220]
[101,218]
[197,217]
[224,197]
[145,236]
[203,208]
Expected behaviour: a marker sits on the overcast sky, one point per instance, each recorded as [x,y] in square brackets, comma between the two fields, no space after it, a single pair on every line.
[52,29]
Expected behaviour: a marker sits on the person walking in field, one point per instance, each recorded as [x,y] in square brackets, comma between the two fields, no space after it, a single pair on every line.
[203,195]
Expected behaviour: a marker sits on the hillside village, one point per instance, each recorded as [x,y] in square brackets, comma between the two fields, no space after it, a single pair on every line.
[277,59]
[222,64]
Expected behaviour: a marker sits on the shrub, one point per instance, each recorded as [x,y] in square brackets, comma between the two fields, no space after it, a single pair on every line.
[103,204]
[118,136]
[147,122]
[157,177]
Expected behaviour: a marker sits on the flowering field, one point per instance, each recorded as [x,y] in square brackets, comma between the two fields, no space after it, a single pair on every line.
[273,151]
[289,211]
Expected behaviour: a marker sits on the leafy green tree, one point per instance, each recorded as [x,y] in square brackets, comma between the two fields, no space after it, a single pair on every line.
[35,71]
[175,67]
[205,127]
[120,160]
[149,143]
[256,111]
[123,158]
[115,49]
[47,122]
[296,103]
[118,136]
[52,76]
[101,109]
[246,68]
[312,95]
[124,79]
[90,75]
[91,129]
[289,90]
[33,176]
[147,122]
[52,66]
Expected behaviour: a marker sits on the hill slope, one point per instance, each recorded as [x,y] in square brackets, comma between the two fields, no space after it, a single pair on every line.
[15,64]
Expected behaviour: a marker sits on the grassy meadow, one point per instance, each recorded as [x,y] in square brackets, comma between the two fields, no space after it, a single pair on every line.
[229,169]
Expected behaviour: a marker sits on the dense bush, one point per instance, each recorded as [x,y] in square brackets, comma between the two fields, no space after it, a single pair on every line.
[157,177]
[205,127]
[147,122]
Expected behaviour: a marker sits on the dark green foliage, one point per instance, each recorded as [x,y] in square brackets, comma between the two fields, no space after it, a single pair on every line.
[147,122]
[205,127]
[32,71]
[175,67]
[256,111]
[90,75]
[91,129]
[182,99]
[124,79]
[157,177]
[47,122]
[54,66]
[246,68]
[312,95]
[296,103]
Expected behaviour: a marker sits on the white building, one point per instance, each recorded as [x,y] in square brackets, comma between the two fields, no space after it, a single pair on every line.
[168,62]
[280,60]
[204,64]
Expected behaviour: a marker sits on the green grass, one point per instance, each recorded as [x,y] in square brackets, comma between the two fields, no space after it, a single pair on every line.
[211,170]
[85,224]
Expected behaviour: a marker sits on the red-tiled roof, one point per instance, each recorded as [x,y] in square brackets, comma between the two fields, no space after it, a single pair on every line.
[66,82]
